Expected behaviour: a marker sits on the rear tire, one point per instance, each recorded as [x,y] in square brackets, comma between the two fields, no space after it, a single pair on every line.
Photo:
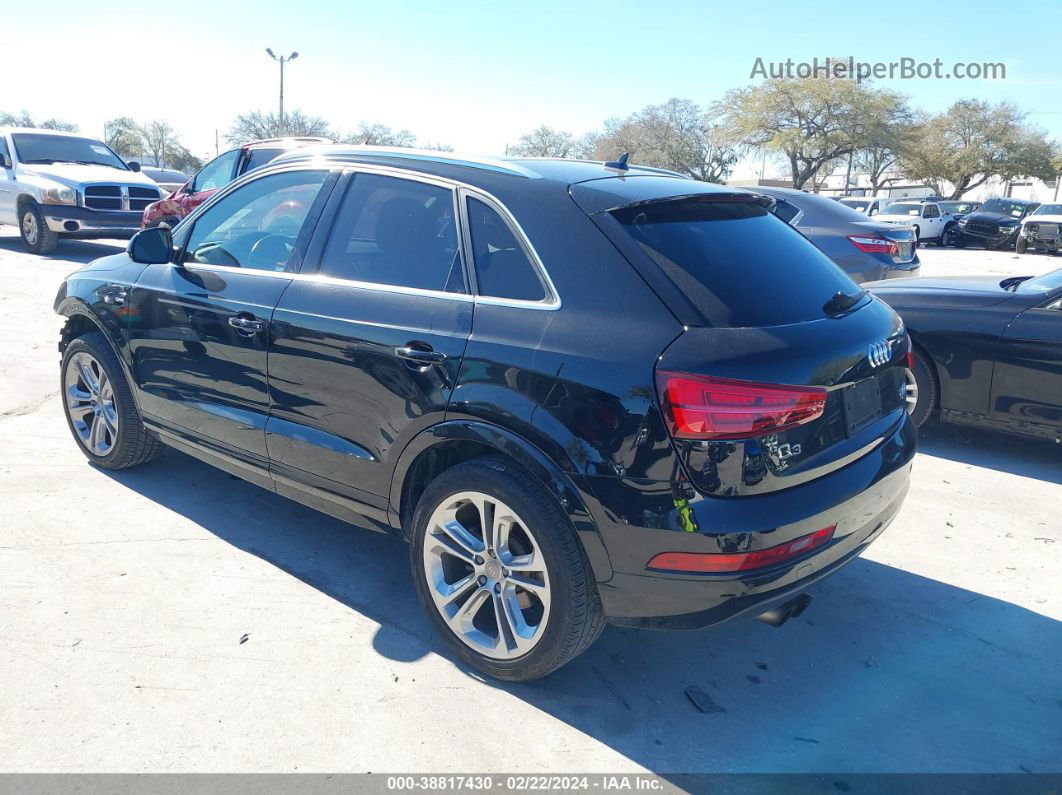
[99,406]
[36,236]
[928,389]
[1021,246]
[475,599]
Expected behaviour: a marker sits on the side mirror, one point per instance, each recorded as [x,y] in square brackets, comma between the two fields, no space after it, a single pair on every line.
[133,165]
[151,246]
[5,160]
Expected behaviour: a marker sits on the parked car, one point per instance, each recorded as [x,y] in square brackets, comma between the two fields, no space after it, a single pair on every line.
[930,221]
[1040,230]
[994,224]
[866,205]
[169,180]
[957,209]
[987,351]
[551,470]
[866,250]
[218,173]
[57,185]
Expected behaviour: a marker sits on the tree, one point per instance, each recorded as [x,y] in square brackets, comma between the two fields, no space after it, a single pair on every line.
[378,135]
[886,131]
[23,119]
[123,136]
[156,135]
[543,141]
[178,157]
[974,141]
[257,125]
[809,122]
[677,135]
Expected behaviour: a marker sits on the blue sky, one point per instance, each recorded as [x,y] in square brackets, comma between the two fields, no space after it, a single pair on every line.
[478,74]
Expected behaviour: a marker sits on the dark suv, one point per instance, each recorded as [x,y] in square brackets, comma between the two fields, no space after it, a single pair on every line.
[582,394]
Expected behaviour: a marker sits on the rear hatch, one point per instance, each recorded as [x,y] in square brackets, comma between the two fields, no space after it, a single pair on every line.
[786,369]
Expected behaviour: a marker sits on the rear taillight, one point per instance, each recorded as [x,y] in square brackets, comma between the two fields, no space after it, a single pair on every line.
[719,562]
[874,245]
[909,359]
[702,407]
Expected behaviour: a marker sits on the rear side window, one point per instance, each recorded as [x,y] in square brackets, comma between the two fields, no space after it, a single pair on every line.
[787,211]
[740,265]
[503,268]
[256,158]
[397,232]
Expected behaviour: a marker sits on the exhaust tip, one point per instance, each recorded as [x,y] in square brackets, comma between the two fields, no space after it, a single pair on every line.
[791,609]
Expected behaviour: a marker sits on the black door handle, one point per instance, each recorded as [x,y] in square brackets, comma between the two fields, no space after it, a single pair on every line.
[420,355]
[247,325]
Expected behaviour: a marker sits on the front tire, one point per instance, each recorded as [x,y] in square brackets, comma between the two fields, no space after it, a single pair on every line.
[99,406]
[928,390]
[36,236]
[1021,246]
[499,569]
[947,238]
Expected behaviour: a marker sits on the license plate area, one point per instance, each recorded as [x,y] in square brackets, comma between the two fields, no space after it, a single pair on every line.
[867,401]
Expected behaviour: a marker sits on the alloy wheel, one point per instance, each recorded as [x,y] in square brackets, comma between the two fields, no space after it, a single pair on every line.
[29,228]
[89,397]
[487,575]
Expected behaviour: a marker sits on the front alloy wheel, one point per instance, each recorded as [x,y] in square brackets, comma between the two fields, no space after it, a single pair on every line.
[487,575]
[90,404]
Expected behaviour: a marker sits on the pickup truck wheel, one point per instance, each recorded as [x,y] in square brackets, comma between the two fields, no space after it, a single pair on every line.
[1021,246]
[499,569]
[947,237]
[36,236]
[99,407]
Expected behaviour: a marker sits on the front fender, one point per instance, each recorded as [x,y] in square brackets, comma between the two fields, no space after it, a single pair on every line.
[81,315]
[566,487]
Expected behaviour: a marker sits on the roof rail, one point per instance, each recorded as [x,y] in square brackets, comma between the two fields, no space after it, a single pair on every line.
[425,155]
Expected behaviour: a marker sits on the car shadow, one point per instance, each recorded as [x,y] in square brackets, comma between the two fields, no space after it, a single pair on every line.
[80,251]
[1031,458]
[887,671]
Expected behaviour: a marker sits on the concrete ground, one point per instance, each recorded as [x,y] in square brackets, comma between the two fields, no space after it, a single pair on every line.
[172,618]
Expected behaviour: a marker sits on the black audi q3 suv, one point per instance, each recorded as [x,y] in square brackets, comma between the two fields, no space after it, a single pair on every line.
[583,392]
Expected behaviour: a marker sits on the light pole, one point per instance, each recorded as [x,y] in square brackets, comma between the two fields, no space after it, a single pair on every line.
[282,60]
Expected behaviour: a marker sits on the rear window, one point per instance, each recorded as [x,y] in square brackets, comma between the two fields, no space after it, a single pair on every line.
[738,263]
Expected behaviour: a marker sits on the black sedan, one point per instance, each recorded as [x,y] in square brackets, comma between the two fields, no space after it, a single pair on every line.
[987,352]
[865,249]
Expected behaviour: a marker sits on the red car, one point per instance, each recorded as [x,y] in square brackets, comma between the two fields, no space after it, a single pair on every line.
[218,173]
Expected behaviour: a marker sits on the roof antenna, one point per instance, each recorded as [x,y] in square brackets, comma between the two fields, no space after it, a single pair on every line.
[620,163]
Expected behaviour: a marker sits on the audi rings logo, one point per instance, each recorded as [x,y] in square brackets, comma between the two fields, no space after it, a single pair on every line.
[878,353]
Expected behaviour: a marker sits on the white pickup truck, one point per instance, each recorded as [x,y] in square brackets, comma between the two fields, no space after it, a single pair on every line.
[59,184]
[931,224]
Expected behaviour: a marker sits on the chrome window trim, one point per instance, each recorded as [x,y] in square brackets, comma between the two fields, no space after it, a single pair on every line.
[552,301]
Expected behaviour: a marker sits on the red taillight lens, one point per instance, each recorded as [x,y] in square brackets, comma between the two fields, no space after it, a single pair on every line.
[874,245]
[909,359]
[701,407]
[715,563]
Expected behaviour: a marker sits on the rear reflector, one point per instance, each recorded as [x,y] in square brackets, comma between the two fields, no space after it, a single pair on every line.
[702,407]
[715,563]
[874,245]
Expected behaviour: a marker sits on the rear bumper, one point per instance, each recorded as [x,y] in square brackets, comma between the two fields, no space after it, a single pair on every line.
[861,499]
[83,222]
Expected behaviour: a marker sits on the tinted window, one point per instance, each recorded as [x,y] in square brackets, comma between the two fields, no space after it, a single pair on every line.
[34,148]
[256,158]
[257,225]
[787,211]
[3,147]
[931,211]
[902,208]
[503,269]
[740,265]
[217,173]
[398,232]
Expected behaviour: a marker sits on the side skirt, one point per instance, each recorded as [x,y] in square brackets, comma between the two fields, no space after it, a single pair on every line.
[1029,429]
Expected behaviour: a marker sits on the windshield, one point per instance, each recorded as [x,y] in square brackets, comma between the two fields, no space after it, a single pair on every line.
[900,208]
[165,175]
[856,204]
[740,265]
[1048,209]
[956,208]
[1004,207]
[1044,283]
[33,148]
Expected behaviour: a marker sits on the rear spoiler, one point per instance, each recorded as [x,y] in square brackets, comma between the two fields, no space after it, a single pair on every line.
[761,199]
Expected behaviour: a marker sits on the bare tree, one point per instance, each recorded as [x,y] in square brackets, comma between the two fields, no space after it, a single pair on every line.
[379,135]
[543,141]
[257,125]
[155,135]
[23,119]
[123,136]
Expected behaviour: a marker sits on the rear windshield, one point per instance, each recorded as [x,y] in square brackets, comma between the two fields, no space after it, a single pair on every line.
[738,263]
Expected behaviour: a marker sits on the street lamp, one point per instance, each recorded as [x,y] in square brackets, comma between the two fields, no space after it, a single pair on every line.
[282,60]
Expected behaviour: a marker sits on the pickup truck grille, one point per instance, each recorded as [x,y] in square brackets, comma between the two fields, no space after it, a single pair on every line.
[120,197]
[982,228]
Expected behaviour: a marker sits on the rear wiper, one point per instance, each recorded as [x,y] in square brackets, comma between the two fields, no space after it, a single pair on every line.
[841,303]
